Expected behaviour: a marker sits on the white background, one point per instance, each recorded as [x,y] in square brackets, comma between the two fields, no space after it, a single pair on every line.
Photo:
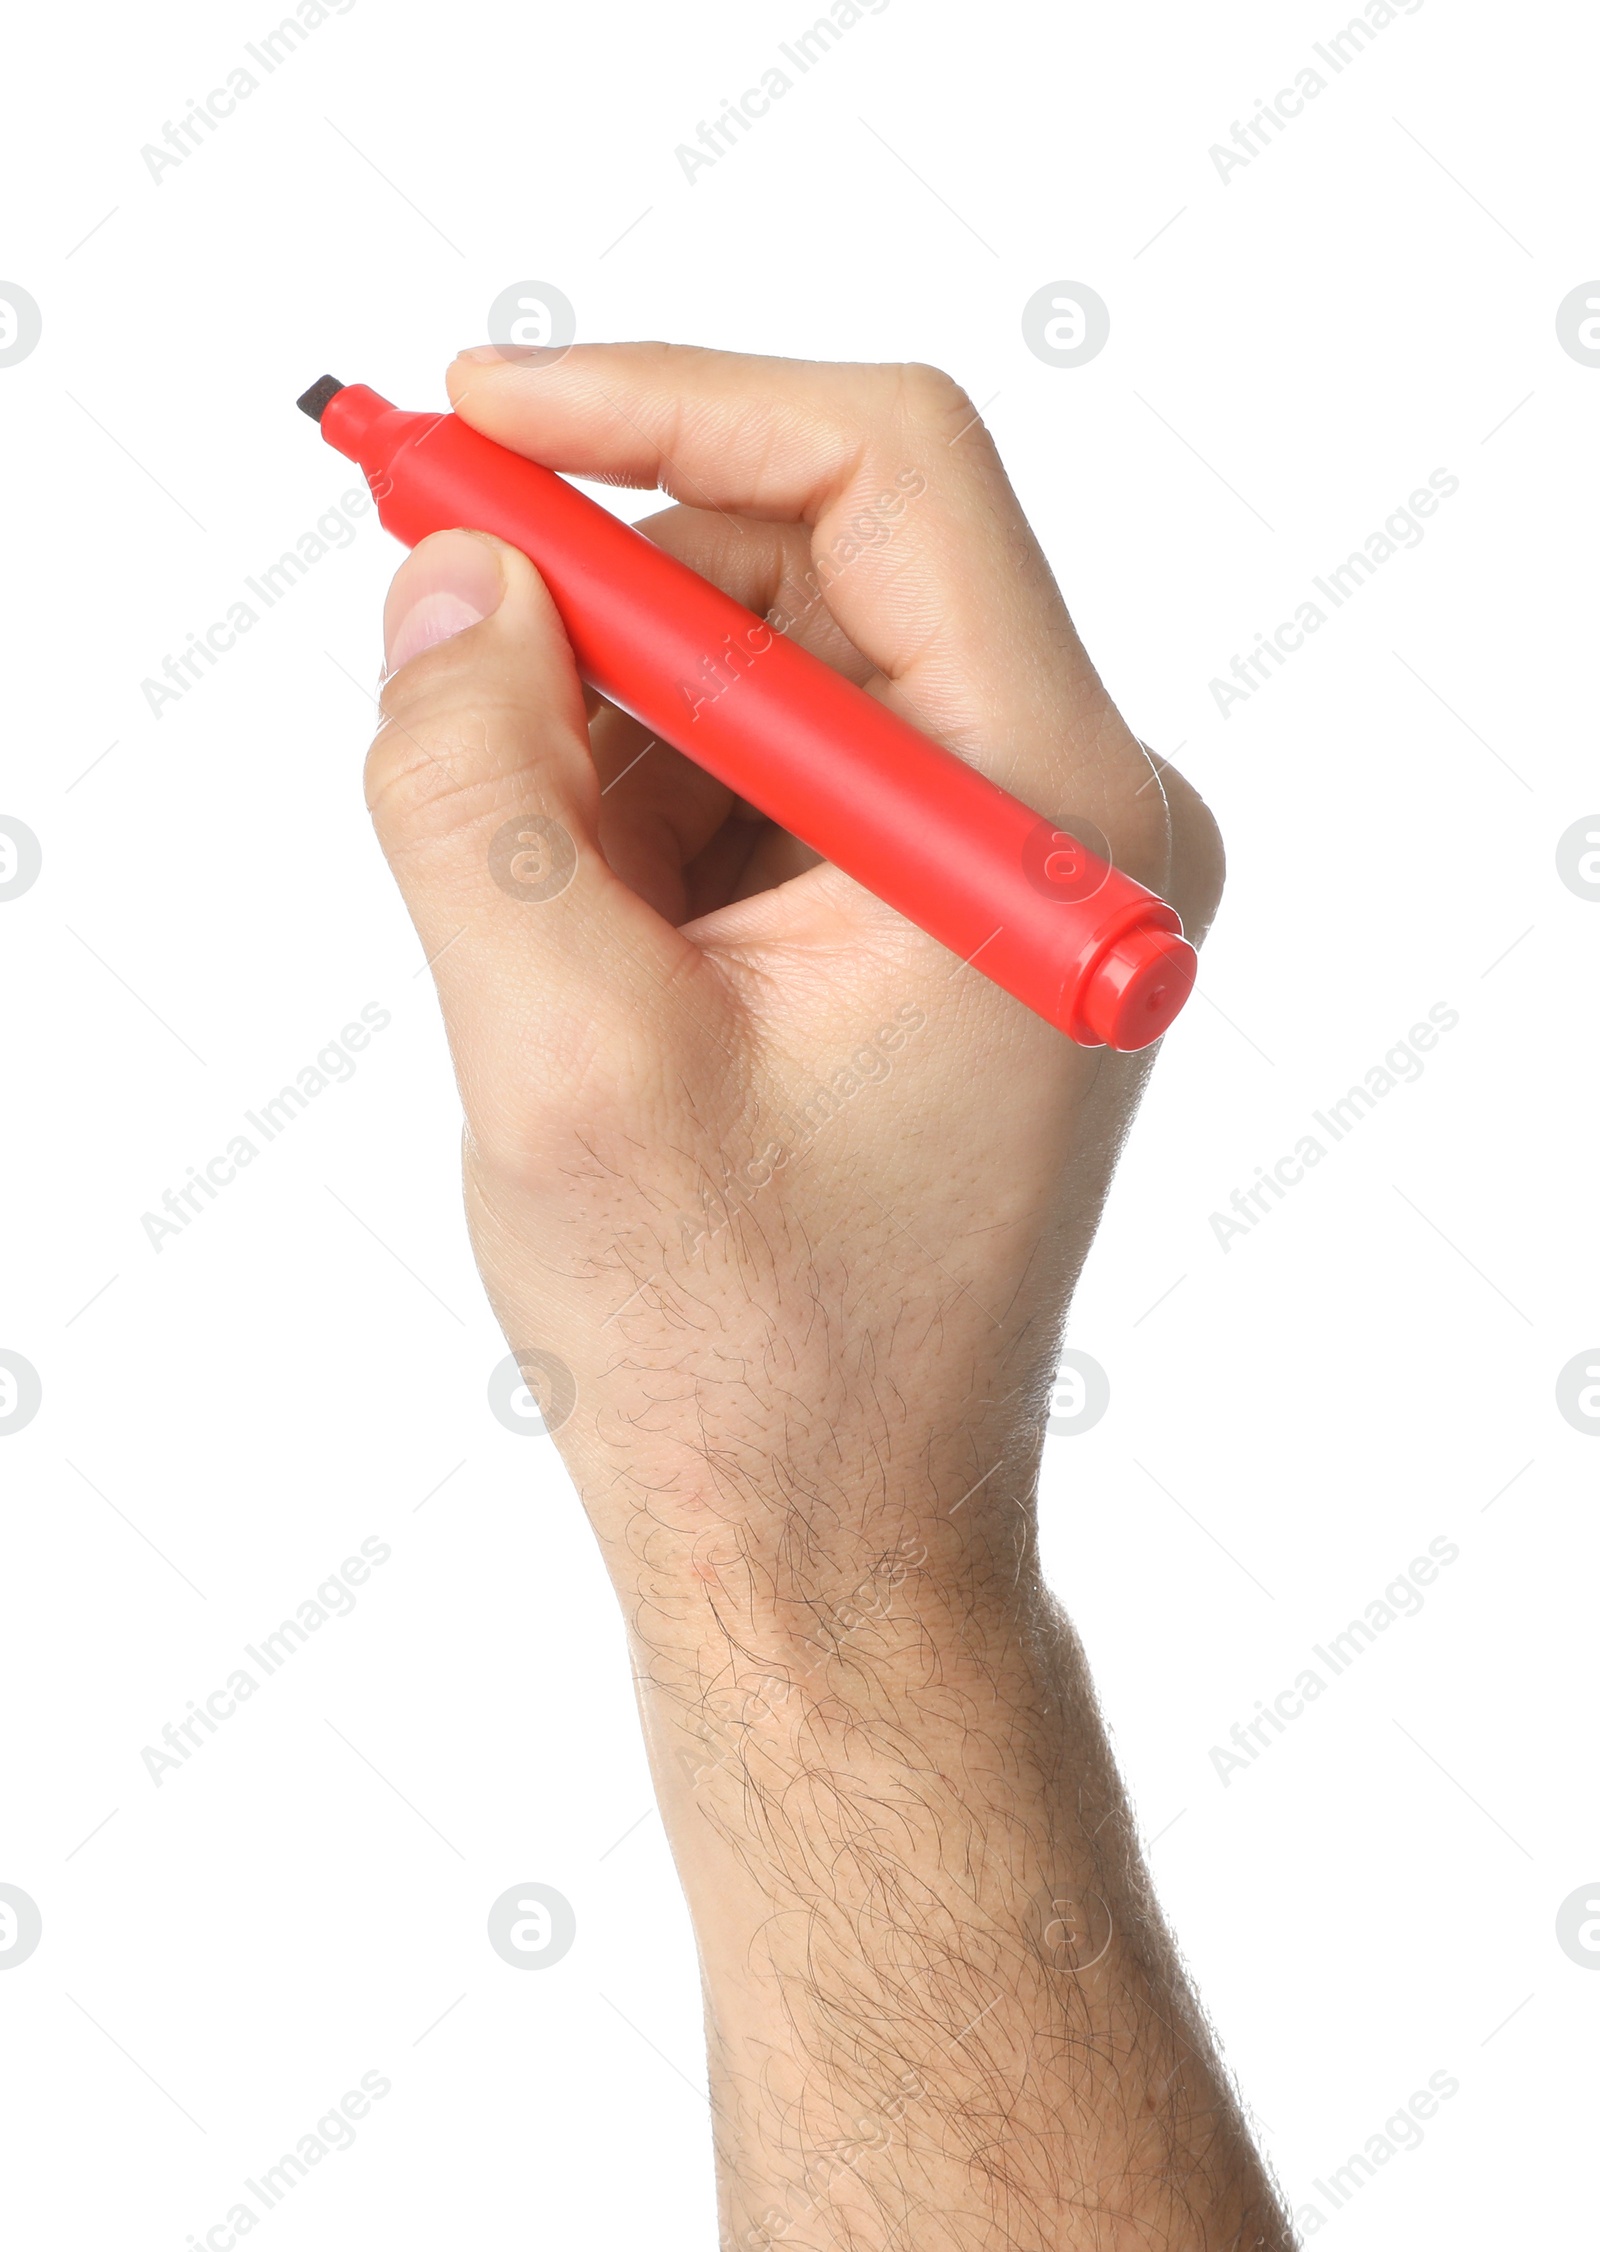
[1373,1366]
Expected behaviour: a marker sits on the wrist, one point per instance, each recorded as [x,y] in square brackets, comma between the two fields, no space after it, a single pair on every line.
[826,1596]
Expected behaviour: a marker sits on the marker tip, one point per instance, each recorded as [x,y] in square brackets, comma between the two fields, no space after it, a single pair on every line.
[313,402]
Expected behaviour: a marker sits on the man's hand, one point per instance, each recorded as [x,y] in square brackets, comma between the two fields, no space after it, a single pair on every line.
[798,1200]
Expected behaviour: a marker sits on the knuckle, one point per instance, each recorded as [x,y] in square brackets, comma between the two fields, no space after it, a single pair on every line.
[1199,862]
[519,1123]
[433,771]
[929,401]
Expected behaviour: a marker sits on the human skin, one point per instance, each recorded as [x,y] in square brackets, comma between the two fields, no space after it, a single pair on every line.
[813,1336]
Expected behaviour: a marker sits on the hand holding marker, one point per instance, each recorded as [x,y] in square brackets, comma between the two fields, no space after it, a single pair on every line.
[1023,900]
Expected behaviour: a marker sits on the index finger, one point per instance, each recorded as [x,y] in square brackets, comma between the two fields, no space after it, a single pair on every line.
[919,544]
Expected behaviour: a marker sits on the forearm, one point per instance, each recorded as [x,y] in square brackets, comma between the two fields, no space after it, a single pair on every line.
[941,2007]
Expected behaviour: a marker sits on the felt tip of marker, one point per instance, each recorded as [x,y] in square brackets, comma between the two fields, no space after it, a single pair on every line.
[314,401]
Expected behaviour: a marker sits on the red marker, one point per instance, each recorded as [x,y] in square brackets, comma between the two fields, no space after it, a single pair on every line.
[1021,898]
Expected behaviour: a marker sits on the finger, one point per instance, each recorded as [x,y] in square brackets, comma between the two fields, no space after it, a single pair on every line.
[485,800]
[666,826]
[921,549]
[674,834]
[1198,864]
[770,569]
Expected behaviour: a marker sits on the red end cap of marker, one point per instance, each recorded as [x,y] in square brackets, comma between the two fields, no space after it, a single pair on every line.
[1138,988]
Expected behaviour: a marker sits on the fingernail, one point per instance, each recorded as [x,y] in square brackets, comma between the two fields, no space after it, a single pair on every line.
[515,355]
[451,582]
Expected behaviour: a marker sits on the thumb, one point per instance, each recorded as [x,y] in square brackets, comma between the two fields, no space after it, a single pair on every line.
[485,800]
